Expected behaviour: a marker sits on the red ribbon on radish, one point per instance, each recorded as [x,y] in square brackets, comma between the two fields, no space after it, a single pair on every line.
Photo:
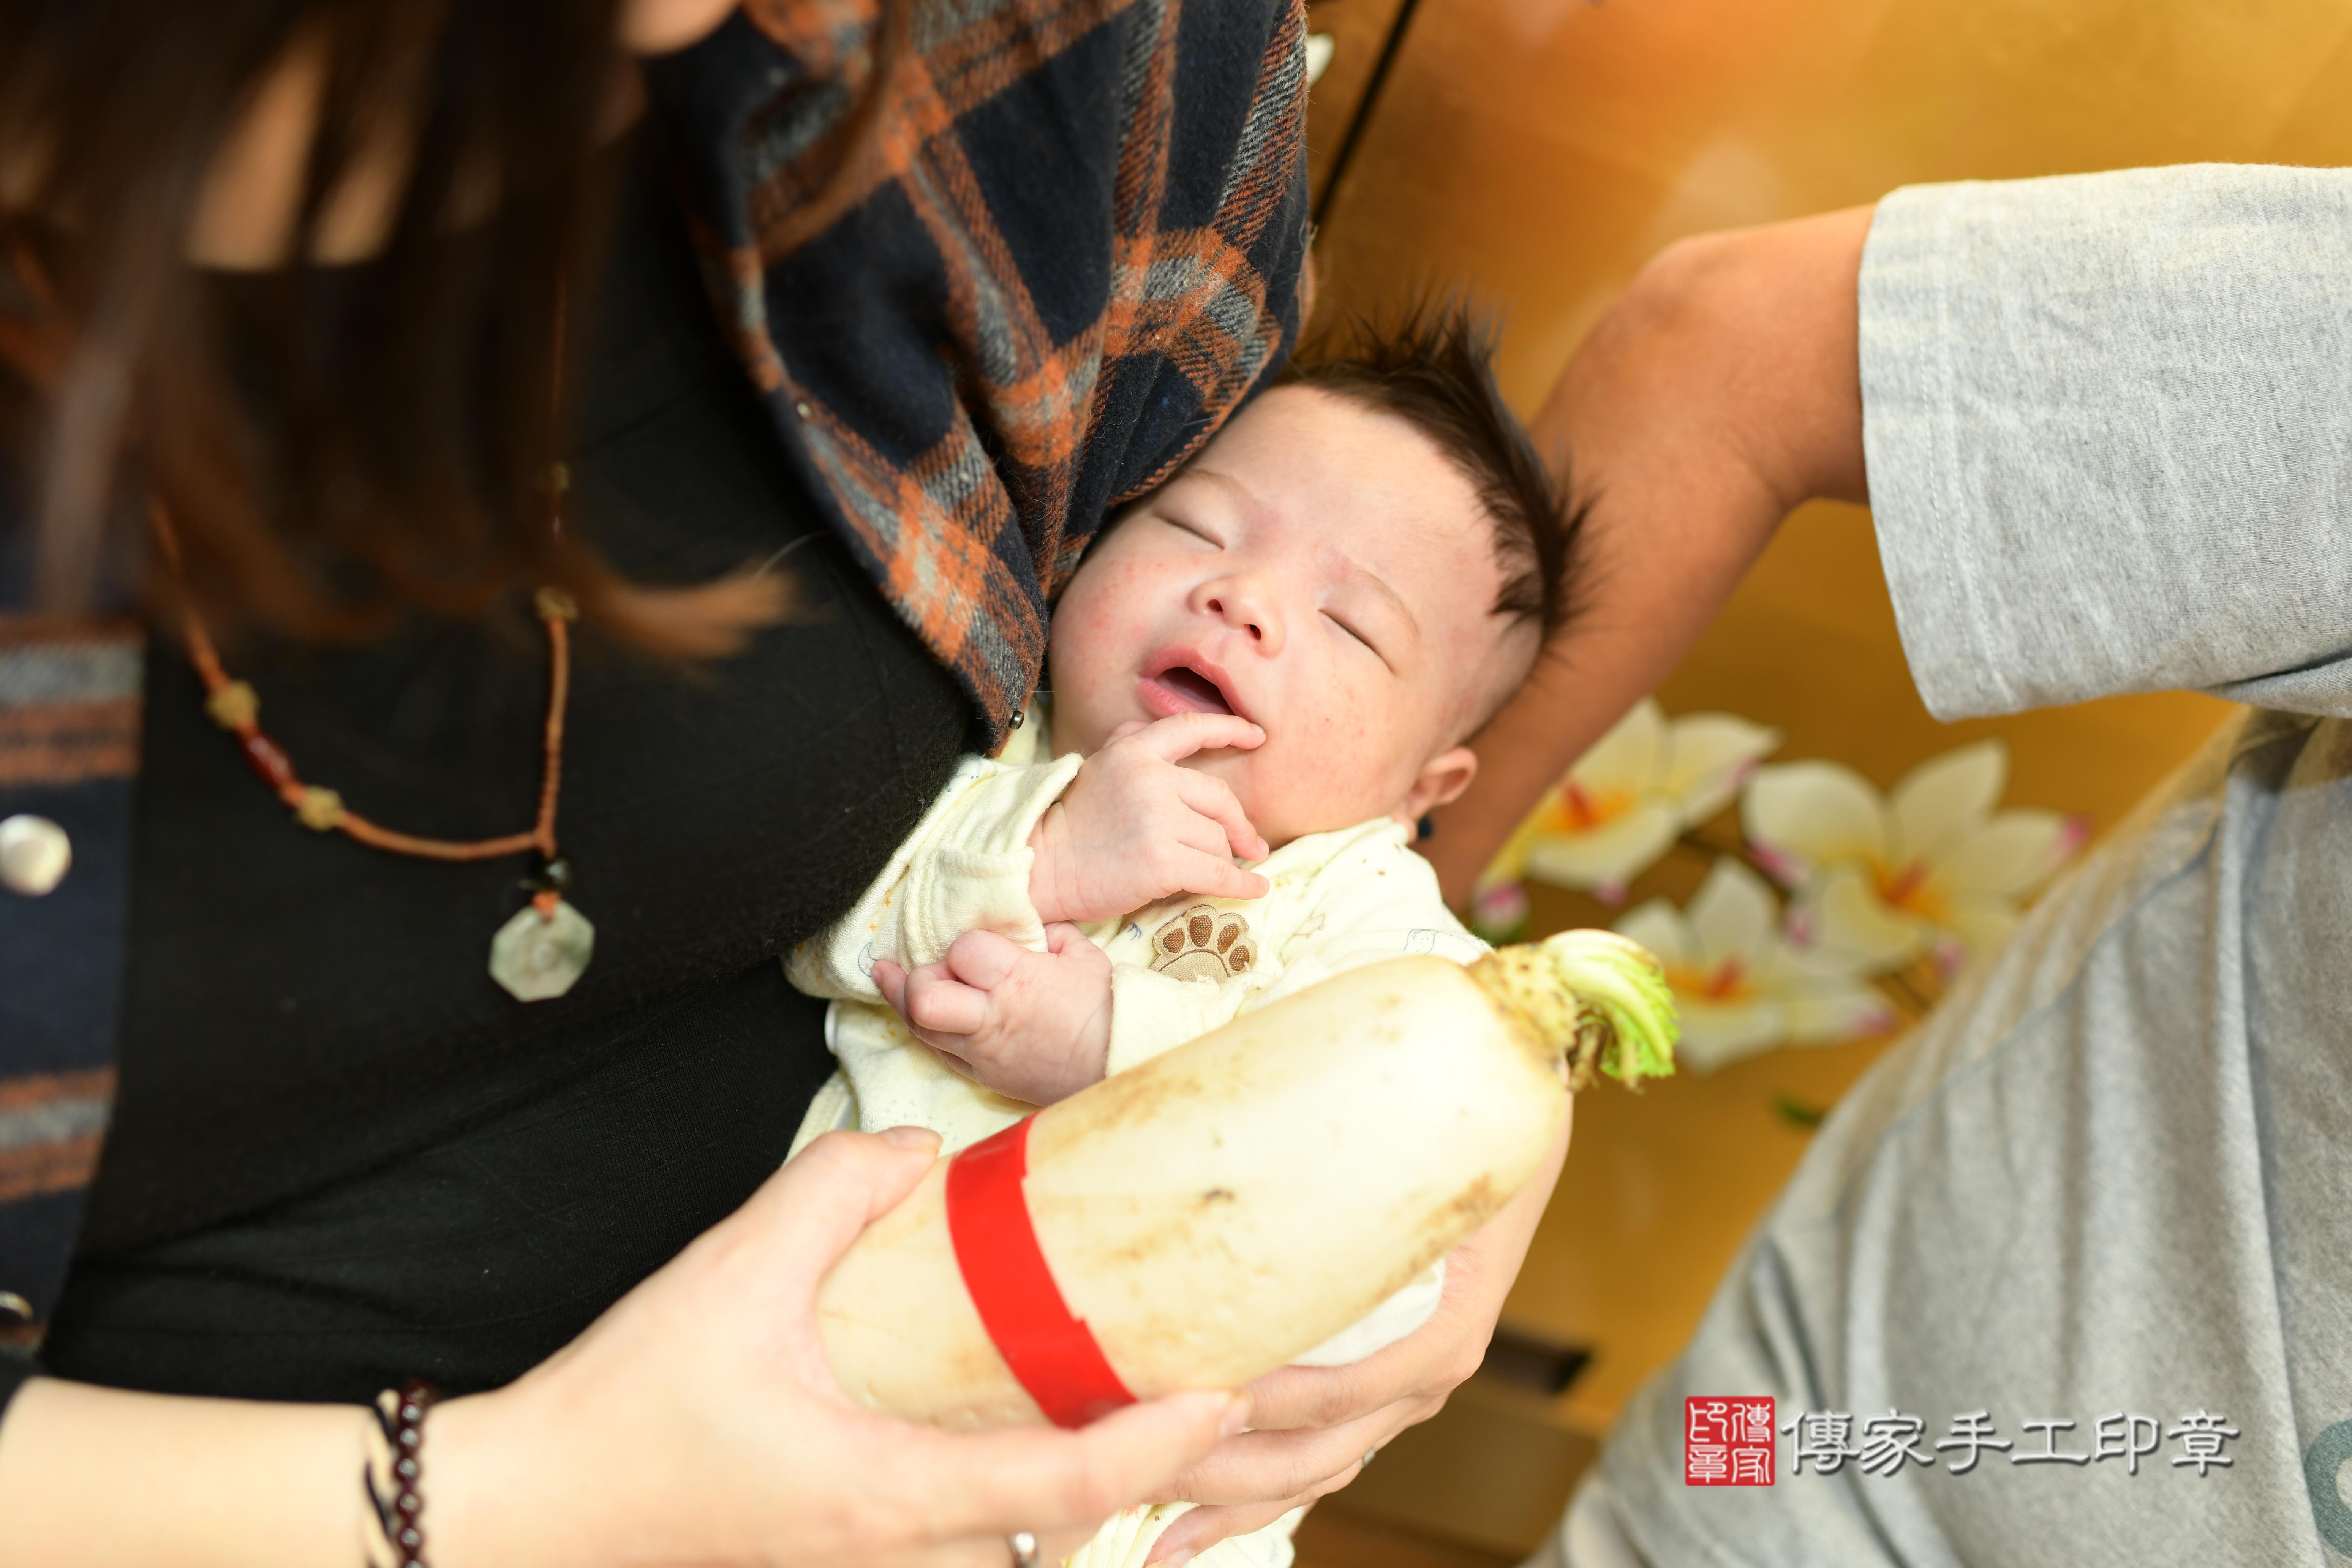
[1050,1350]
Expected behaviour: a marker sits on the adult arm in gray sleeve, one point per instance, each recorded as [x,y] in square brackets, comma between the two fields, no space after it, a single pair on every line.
[2108,422]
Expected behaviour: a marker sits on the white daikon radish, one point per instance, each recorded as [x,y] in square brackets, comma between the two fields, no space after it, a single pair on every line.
[1224,1208]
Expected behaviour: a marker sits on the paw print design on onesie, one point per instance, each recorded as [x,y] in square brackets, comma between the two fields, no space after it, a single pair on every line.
[1203,943]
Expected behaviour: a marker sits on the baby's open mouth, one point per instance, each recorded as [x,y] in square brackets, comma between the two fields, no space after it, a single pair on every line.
[1194,690]
[1180,688]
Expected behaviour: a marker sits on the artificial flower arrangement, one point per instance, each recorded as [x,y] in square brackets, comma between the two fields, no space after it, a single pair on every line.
[1888,895]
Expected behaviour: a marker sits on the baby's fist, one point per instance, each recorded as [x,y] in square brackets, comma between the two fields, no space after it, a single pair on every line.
[1135,826]
[1035,1026]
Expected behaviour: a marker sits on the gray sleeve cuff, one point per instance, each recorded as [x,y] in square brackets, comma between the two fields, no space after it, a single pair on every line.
[2108,422]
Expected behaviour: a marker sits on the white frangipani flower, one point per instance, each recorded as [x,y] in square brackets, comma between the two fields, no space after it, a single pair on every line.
[1930,867]
[1627,799]
[1739,987]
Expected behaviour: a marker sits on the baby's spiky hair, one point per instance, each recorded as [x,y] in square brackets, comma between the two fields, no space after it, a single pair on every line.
[1435,369]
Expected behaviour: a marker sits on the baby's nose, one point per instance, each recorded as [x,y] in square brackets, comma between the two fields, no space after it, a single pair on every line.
[1245,605]
[1231,608]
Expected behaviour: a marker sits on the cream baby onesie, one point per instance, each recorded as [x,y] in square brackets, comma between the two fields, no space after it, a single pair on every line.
[1180,968]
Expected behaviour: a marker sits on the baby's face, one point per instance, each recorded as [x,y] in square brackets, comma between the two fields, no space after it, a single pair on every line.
[1321,570]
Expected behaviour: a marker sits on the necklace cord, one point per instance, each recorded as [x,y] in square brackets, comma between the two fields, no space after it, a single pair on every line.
[235,707]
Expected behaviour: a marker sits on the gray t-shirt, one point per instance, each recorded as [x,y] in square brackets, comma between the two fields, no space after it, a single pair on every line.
[2109,428]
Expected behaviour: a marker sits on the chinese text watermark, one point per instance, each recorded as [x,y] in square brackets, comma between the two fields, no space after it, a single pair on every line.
[1729,1441]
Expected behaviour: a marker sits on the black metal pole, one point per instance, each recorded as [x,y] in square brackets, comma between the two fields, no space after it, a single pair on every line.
[1364,107]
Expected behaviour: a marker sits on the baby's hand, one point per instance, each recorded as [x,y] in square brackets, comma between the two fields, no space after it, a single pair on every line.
[1134,828]
[1034,1025]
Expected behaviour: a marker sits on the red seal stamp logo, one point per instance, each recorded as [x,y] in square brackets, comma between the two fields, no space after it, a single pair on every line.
[1728,1441]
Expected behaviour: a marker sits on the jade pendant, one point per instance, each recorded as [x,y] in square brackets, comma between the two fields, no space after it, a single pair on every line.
[539,957]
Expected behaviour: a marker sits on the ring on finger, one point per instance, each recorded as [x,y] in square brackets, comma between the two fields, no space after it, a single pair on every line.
[1025,1549]
[1369,1455]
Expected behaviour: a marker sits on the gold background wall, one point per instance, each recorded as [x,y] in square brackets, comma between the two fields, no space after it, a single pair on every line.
[1545,148]
[1540,151]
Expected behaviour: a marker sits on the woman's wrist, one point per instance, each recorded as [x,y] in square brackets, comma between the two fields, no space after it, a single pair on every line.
[558,1473]
[92,1477]
[478,1483]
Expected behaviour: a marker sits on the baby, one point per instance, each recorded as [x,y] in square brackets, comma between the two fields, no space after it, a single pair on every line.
[1261,677]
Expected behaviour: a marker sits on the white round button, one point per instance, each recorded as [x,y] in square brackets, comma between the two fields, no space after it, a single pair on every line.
[35,855]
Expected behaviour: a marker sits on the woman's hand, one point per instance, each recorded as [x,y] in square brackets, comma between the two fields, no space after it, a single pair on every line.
[696,1422]
[1316,1425]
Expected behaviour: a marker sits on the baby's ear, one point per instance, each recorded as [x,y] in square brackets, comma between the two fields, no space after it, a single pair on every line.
[1443,777]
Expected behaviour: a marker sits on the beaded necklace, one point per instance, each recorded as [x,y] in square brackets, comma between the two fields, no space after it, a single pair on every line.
[544,949]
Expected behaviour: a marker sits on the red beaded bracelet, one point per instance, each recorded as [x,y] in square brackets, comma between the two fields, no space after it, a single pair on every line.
[398,1505]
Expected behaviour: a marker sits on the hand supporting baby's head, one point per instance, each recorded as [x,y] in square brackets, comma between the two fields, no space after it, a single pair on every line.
[1362,564]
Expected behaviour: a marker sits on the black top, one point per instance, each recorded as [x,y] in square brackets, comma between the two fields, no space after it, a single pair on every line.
[342,1155]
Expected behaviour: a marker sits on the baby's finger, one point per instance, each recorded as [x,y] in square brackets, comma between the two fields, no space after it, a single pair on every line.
[891,981]
[938,1004]
[985,959]
[1214,799]
[1064,940]
[1215,877]
[1177,737]
[896,982]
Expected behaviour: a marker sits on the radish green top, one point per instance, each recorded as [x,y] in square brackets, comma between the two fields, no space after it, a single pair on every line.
[1593,996]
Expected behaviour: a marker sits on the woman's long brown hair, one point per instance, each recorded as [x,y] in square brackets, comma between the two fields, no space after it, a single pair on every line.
[369,440]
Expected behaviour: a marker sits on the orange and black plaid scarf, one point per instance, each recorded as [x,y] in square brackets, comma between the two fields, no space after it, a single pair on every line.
[1076,242]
